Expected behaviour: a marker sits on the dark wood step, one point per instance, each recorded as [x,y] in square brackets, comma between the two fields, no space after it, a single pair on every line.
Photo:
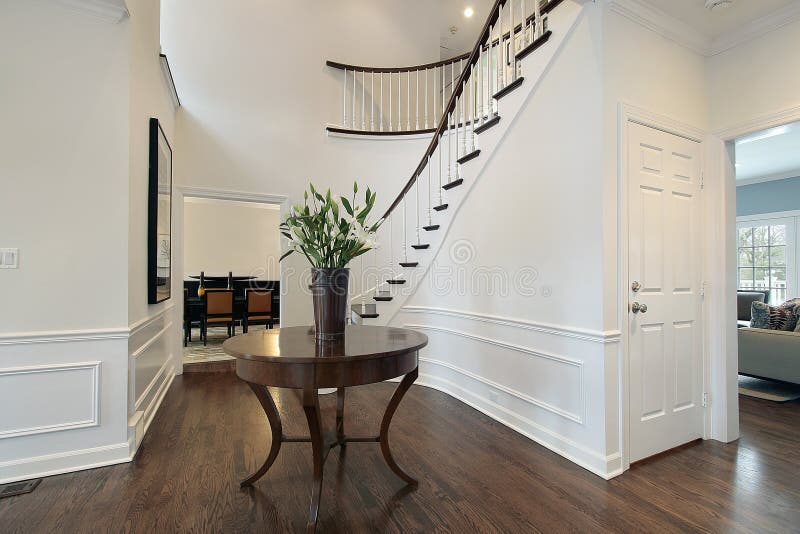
[365,311]
[441,207]
[421,246]
[508,88]
[534,45]
[382,297]
[396,281]
[487,124]
[454,183]
[409,263]
[472,155]
[431,228]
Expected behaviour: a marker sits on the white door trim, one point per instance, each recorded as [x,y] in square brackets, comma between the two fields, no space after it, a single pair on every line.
[180,193]
[632,114]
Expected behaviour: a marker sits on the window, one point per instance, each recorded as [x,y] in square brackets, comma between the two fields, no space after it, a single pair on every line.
[767,256]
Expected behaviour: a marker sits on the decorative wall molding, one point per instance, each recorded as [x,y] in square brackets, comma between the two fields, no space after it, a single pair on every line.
[225,194]
[595,336]
[112,11]
[92,420]
[681,33]
[769,120]
[146,345]
[143,323]
[63,336]
[794,173]
[577,418]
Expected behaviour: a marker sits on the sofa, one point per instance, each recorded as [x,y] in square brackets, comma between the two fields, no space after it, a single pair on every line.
[772,354]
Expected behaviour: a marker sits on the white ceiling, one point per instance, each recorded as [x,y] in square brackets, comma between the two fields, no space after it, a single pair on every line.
[452,14]
[771,154]
[721,20]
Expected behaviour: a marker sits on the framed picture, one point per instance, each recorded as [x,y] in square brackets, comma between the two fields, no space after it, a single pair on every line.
[159,216]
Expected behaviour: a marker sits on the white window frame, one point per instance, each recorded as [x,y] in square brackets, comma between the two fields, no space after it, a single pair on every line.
[792,221]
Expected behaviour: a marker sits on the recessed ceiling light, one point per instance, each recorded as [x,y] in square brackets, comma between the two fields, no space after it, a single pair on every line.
[468,12]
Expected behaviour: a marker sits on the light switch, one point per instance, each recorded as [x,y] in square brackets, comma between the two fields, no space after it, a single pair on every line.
[9,258]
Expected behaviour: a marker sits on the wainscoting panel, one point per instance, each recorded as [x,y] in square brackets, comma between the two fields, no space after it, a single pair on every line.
[73,388]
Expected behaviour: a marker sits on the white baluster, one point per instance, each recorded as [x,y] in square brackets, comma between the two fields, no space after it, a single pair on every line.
[399,103]
[449,147]
[435,87]
[479,84]
[408,100]
[513,43]
[473,107]
[426,99]
[524,28]
[364,284]
[363,100]
[430,205]
[416,187]
[354,100]
[391,245]
[417,119]
[405,230]
[441,191]
[344,100]
[372,101]
[537,19]
[464,118]
[501,64]
[380,108]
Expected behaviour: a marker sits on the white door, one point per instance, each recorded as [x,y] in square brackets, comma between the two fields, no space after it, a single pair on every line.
[664,271]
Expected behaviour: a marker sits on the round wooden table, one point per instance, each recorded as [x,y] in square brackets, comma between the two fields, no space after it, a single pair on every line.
[292,358]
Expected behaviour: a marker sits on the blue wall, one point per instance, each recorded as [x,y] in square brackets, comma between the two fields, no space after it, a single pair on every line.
[766,197]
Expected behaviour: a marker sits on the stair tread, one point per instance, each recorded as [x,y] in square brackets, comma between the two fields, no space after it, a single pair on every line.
[508,88]
[409,263]
[454,183]
[396,281]
[441,207]
[421,246]
[466,157]
[431,227]
[382,298]
[487,124]
[365,311]
[534,45]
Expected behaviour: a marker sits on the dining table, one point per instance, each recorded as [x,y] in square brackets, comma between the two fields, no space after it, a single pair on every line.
[293,358]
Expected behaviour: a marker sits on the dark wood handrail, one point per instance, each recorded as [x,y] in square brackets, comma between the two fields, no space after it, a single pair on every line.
[451,104]
[361,68]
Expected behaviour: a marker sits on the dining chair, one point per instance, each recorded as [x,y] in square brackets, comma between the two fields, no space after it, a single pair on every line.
[257,308]
[218,309]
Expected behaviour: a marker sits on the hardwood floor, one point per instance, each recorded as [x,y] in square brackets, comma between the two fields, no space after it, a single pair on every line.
[475,475]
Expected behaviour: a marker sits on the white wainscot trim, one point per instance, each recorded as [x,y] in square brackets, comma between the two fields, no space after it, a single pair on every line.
[143,323]
[606,467]
[93,401]
[597,336]
[575,417]
[63,336]
[147,344]
[64,462]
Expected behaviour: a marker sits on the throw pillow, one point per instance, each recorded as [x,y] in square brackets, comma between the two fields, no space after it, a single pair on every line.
[772,317]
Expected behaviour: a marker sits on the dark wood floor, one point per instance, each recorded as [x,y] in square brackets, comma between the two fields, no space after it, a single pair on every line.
[475,474]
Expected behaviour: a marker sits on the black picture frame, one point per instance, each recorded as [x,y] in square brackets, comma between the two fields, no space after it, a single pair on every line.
[159,216]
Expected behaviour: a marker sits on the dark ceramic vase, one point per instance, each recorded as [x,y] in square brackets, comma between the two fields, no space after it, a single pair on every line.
[329,293]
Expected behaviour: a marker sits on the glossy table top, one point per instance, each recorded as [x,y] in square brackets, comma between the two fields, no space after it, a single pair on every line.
[297,344]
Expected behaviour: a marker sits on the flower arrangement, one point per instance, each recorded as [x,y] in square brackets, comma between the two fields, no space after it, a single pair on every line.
[330,231]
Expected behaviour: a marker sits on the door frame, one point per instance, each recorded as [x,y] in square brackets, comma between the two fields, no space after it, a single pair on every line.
[180,192]
[627,114]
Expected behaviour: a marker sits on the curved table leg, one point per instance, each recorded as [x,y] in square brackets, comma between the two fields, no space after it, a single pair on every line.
[274,417]
[387,419]
[340,417]
[311,408]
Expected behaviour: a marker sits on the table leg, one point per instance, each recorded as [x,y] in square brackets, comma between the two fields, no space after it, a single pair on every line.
[405,384]
[274,417]
[340,417]
[311,408]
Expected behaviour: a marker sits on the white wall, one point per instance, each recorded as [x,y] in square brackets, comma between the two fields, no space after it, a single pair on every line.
[756,78]
[84,361]
[222,236]
[64,157]
[253,116]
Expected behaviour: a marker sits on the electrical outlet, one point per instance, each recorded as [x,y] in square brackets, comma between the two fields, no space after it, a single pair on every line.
[9,258]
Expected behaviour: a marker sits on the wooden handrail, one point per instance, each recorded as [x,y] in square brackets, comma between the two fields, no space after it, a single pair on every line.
[361,68]
[451,104]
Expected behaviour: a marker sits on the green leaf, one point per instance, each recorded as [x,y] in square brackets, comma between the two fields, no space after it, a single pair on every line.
[347,207]
[286,254]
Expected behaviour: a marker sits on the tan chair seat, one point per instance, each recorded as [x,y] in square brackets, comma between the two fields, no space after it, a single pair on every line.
[219,319]
[258,317]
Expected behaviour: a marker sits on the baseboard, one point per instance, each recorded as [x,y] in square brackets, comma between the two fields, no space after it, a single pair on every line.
[603,466]
[140,422]
[64,462]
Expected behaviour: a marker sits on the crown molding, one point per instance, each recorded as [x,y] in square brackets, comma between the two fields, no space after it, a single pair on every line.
[757,28]
[681,33]
[663,24]
[794,173]
[112,11]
